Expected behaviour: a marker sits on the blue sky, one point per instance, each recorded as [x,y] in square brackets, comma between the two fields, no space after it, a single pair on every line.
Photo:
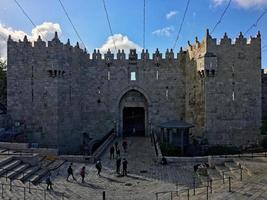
[127,20]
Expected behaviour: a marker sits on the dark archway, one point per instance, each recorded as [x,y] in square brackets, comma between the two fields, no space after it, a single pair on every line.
[134,121]
[133,114]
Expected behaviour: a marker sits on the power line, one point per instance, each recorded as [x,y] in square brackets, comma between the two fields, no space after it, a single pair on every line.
[257,21]
[181,25]
[222,15]
[28,17]
[109,24]
[144,25]
[67,15]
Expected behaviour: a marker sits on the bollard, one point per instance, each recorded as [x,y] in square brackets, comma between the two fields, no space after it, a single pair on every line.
[157,196]
[171,196]
[210,185]
[177,192]
[44,194]
[104,195]
[207,192]
[62,196]
[265,154]
[241,174]
[10,185]
[29,187]
[188,194]
[223,177]
[230,189]
[6,175]
[2,190]
[24,193]
[194,184]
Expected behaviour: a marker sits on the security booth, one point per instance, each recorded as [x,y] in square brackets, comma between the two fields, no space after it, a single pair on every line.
[175,133]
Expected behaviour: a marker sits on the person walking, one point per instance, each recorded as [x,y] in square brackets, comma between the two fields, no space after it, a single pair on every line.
[118,165]
[49,183]
[70,172]
[82,173]
[111,152]
[116,145]
[118,152]
[124,145]
[124,167]
[98,166]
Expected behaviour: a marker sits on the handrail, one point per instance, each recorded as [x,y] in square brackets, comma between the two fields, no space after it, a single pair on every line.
[208,186]
[61,194]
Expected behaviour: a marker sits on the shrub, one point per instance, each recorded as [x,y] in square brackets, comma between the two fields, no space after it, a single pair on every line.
[222,150]
[169,150]
[264,143]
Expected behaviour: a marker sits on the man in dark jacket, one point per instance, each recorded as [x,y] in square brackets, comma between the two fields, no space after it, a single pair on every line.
[118,165]
[70,172]
[111,152]
[124,167]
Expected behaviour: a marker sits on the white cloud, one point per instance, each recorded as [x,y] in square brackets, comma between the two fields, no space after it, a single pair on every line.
[166,31]
[46,30]
[121,42]
[243,3]
[171,14]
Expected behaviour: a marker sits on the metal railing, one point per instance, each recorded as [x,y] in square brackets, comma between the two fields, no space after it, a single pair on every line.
[208,186]
[186,191]
[29,186]
[25,191]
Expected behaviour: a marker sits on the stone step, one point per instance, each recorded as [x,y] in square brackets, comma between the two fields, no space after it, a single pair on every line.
[39,175]
[222,169]
[28,173]
[5,160]
[9,166]
[231,165]
[214,174]
[18,170]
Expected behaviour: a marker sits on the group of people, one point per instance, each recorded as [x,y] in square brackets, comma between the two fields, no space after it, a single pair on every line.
[115,149]
[98,165]
[124,162]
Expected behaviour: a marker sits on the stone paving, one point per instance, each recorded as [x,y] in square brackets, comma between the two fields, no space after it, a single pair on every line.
[145,178]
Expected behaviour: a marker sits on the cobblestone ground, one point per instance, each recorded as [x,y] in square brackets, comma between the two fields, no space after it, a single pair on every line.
[145,178]
[142,161]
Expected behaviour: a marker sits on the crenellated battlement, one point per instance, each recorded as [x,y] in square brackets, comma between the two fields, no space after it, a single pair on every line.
[55,45]
[225,41]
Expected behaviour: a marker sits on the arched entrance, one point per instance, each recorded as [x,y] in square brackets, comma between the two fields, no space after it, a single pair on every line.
[133,114]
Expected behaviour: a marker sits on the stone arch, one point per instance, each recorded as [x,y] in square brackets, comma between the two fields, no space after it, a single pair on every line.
[135,100]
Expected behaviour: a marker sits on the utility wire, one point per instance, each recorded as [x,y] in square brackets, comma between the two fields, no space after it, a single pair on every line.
[109,24]
[74,28]
[257,21]
[221,17]
[28,17]
[181,25]
[144,25]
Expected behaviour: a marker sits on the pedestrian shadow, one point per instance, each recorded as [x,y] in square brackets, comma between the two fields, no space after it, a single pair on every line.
[137,177]
[111,179]
[58,194]
[90,185]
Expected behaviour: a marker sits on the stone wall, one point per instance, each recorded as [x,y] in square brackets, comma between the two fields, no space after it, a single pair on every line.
[264,93]
[59,92]
[231,73]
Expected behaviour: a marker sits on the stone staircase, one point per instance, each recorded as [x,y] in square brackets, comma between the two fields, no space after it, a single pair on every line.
[15,169]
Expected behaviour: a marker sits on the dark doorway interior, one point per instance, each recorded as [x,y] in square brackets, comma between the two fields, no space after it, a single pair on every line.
[134,121]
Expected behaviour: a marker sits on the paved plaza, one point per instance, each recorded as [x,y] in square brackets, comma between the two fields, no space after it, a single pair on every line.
[145,178]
